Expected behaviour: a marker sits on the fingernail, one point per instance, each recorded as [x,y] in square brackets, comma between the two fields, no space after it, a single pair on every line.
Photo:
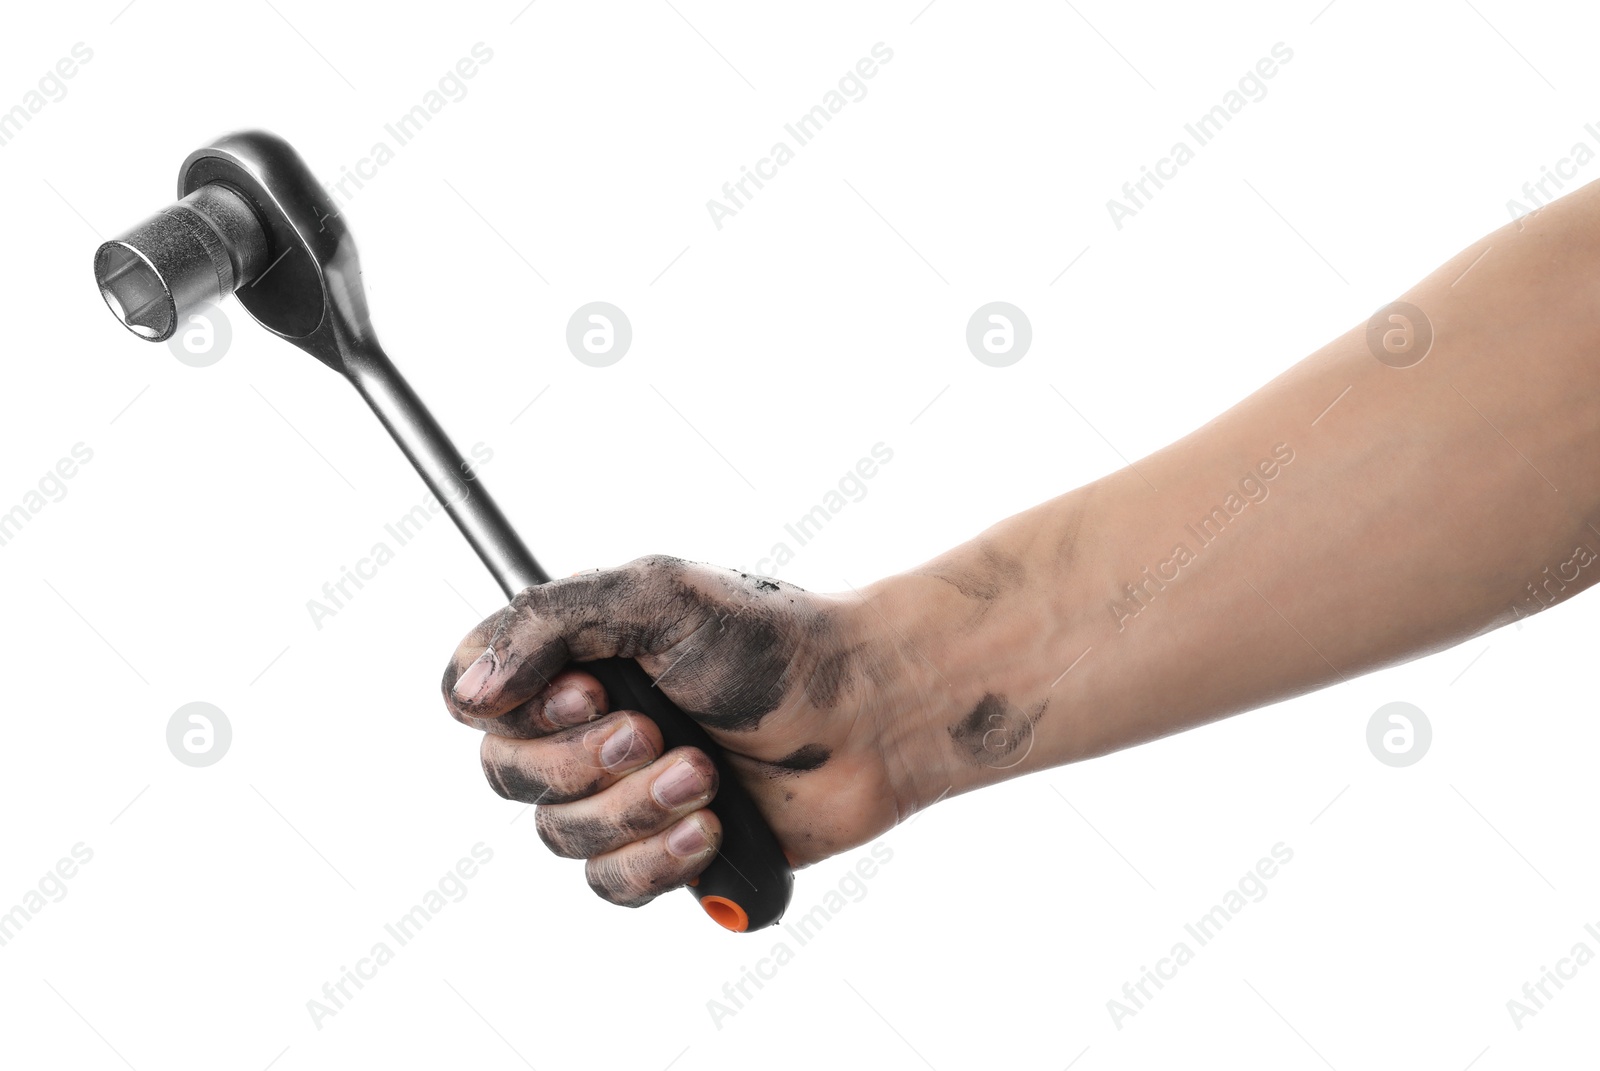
[623,748]
[472,682]
[688,839]
[678,785]
[569,706]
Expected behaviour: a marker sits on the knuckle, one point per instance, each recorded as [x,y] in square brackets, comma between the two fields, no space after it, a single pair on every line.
[509,779]
[613,882]
[575,835]
[570,837]
[547,828]
[581,832]
[658,563]
[632,879]
[551,769]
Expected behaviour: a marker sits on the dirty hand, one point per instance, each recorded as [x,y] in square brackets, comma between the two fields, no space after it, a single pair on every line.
[803,691]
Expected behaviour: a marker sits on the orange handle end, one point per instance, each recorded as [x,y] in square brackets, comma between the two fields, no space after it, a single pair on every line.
[726,913]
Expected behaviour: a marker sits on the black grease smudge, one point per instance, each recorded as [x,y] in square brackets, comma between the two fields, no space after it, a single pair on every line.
[824,685]
[512,783]
[728,655]
[995,730]
[523,722]
[574,838]
[515,783]
[585,836]
[803,759]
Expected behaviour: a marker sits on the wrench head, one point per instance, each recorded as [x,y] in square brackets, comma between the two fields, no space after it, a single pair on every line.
[250,220]
[309,290]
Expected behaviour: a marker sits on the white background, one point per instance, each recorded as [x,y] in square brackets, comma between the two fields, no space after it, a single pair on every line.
[768,356]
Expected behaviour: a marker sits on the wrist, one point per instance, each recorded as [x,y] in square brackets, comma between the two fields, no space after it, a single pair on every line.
[982,641]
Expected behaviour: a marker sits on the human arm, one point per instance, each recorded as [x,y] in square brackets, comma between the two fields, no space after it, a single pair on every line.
[1378,513]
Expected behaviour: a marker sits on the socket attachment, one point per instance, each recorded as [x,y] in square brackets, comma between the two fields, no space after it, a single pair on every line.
[198,250]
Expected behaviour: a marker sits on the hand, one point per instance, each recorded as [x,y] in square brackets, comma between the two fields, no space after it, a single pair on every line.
[795,686]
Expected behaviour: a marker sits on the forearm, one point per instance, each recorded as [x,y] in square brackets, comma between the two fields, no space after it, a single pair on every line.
[1348,515]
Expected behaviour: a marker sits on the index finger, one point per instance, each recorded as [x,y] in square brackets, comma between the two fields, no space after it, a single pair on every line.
[639,609]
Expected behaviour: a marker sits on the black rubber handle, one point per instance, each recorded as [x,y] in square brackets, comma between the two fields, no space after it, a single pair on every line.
[748,883]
